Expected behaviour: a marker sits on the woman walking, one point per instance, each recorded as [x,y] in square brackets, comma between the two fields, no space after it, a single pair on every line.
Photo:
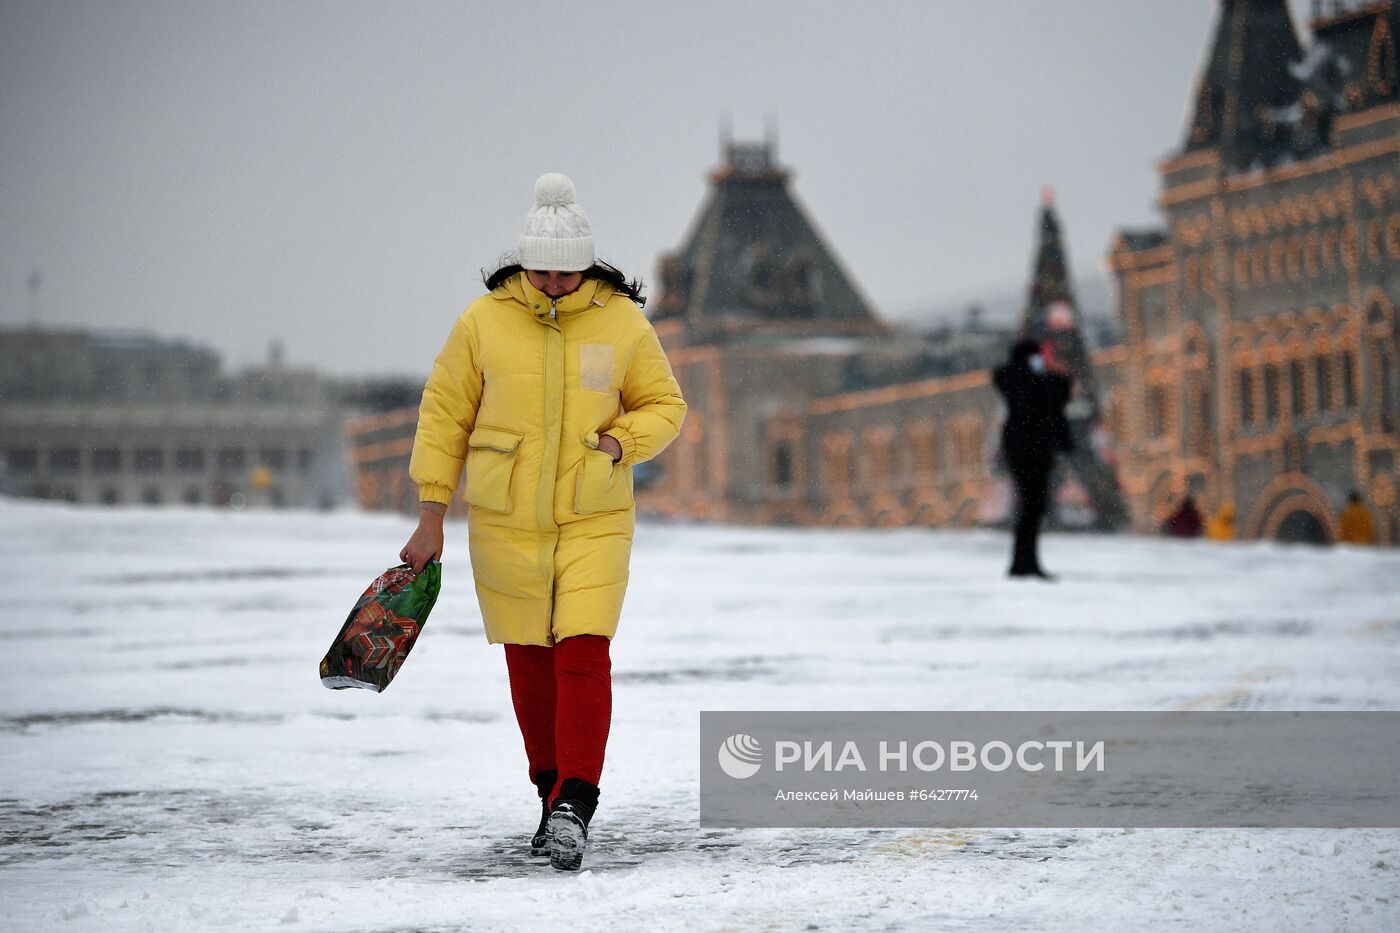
[549,389]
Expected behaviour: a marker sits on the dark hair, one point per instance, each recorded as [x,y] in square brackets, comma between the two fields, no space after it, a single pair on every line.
[602,271]
[1022,350]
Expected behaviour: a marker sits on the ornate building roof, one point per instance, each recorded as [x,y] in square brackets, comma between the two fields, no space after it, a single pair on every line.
[1355,50]
[753,258]
[1263,99]
[1248,73]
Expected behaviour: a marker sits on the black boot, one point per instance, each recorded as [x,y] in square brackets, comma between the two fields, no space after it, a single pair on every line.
[568,823]
[544,783]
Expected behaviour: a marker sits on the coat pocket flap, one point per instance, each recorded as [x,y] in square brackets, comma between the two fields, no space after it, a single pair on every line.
[495,439]
[602,486]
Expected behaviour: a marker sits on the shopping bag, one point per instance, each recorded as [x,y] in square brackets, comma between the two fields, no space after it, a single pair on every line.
[380,632]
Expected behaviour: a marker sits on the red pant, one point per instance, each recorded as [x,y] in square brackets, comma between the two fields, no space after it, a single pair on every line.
[563,702]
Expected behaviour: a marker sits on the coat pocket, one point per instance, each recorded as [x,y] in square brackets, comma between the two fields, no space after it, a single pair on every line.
[603,486]
[491,454]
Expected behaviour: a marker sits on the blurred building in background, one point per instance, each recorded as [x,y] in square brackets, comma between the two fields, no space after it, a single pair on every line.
[1260,356]
[1257,365]
[127,418]
[805,407]
[761,321]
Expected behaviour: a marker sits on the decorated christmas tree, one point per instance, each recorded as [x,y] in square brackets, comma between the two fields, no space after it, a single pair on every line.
[1086,481]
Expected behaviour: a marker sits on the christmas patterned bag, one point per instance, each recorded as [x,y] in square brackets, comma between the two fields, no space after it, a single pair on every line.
[382,628]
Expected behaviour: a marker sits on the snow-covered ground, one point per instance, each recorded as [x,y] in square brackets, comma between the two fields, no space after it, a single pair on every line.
[171,761]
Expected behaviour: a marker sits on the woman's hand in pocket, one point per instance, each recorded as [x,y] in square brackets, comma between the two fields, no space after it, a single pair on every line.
[610,446]
[425,544]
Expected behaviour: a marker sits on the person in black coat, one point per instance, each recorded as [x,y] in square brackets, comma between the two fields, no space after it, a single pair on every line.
[1036,427]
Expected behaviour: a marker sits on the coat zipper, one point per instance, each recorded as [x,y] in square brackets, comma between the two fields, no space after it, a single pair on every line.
[553,325]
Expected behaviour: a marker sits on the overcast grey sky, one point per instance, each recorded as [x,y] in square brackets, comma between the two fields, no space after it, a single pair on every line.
[335,174]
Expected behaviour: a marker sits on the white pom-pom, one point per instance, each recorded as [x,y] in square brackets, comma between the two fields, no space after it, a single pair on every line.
[553,190]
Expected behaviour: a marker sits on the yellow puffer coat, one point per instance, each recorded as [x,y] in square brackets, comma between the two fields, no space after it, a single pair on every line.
[520,393]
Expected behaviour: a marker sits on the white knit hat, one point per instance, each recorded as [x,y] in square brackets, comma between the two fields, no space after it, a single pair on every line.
[557,235]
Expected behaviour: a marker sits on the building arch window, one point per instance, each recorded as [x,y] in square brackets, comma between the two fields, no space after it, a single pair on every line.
[1294,259]
[1380,59]
[1190,271]
[1386,388]
[1310,249]
[106,460]
[1276,253]
[782,465]
[1246,386]
[1197,415]
[1322,382]
[1382,389]
[1392,236]
[65,460]
[1242,267]
[1208,274]
[231,459]
[1156,413]
[1346,366]
[1259,264]
[761,277]
[1373,239]
[1271,392]
[1194,344]
[804,282]
[22,460]
[1329,249]
[1377,316]
[1297,390]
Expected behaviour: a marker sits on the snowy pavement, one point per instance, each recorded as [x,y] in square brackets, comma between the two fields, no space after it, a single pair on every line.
[171,761]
